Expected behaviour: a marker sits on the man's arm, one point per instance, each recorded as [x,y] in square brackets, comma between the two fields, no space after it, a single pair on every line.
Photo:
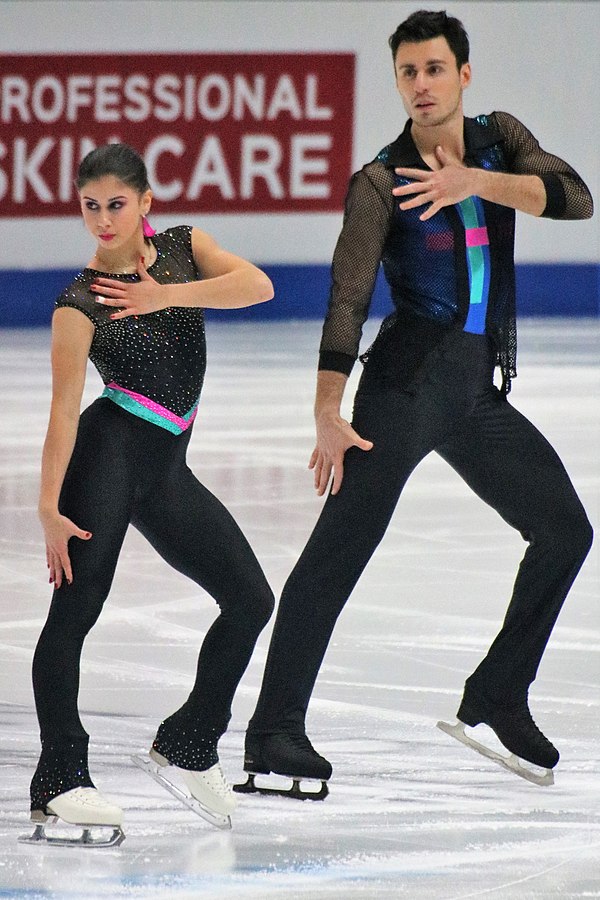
[567,195]
[539,183]
[368,212]
[367,216]
[523,192]
[455,182]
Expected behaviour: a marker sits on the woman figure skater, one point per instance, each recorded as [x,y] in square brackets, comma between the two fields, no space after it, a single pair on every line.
[137,312]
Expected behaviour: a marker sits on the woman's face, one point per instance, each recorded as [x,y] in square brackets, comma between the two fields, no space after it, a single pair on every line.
[112,211]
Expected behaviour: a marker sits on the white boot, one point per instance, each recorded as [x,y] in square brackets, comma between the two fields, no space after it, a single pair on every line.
[208,794]
[84,806]
[211,789]
[207,786]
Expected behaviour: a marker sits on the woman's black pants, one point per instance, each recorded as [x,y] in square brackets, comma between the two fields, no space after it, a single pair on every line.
[125,470]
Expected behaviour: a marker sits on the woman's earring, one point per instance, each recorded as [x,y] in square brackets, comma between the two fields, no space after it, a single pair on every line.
[147,228]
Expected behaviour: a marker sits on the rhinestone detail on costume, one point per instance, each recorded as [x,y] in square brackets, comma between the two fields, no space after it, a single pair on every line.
[157,361]
[189,747]
[61,768]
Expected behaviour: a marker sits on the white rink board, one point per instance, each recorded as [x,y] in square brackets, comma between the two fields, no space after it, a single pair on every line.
[536,60]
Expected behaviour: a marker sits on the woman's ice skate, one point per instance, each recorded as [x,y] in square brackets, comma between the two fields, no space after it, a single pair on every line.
[85,808]
[210,796]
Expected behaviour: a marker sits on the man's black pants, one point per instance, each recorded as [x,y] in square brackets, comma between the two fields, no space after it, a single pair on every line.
[454,409]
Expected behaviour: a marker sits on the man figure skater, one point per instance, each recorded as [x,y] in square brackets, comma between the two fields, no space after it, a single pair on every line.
[436,208]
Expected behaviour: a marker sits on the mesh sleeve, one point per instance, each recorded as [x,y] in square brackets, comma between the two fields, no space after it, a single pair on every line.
[567,196]
[367,217]
[78,296]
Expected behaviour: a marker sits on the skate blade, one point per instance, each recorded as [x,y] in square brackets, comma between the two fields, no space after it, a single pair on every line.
[86,839]
[511,762]
[151,768]
[295,792]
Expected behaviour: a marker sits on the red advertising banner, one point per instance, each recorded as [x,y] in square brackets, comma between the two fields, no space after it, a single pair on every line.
[254,132]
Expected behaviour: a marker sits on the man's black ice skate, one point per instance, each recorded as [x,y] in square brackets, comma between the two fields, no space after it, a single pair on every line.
[291,755]
[515,729]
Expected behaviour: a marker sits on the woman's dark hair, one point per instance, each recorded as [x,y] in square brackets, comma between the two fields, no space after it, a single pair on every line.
[425,25]
[119,160]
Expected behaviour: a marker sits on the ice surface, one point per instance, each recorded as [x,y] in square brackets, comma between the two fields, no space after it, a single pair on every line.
[411,812]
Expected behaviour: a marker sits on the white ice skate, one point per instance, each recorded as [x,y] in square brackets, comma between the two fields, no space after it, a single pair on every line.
[85,808]
[210,796]
[537,775]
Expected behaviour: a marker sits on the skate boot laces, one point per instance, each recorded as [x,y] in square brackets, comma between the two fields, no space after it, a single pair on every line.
[87,796]
[293,754]
[525,721]
[210,786]
[301,742]
[519,733]
[85,805]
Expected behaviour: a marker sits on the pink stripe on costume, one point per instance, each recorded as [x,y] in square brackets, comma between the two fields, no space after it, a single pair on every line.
[156,407]
[476,237]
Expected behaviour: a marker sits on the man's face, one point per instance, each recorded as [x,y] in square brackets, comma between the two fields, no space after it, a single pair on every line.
[429,82]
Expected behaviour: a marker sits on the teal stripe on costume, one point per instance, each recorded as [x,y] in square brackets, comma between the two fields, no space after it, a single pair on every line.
[474,254]
[142,412]
[478,264]
[469,213]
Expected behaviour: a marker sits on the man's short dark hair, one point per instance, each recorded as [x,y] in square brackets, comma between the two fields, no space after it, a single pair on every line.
[425,25]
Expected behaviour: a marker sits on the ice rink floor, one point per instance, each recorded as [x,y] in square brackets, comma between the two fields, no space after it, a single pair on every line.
[411,813]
